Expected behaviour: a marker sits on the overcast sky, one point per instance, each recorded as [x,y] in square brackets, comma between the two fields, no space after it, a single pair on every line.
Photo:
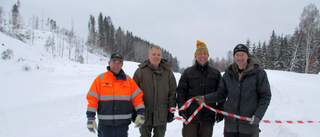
[176,25]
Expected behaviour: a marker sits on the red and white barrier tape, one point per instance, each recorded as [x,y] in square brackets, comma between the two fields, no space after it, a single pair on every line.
[183,107]
[187,104]
[290,122]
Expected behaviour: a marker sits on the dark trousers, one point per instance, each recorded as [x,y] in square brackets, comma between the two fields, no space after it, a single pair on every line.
[113,131]
[158,131]
[240,130]
[204,129]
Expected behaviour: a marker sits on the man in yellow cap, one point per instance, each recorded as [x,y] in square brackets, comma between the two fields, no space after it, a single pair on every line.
[246,76]
[199,79]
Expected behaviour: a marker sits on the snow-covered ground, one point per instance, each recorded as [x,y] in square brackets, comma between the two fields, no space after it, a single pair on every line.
[42,95]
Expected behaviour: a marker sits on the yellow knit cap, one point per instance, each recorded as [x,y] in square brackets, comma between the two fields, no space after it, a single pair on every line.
[201,47]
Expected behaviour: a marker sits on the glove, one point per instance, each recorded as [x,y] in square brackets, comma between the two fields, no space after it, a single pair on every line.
[183,114]
[92,125]
[255,120]
[170,117]
[139,121]
[199,98]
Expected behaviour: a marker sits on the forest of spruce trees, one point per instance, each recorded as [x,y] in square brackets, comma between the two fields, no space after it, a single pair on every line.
[105,36]
[298,52]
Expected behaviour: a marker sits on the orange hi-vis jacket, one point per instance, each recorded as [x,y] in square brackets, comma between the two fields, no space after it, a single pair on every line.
[114,98]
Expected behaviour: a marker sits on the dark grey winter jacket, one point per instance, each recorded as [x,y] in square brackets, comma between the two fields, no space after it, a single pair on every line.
[245,97]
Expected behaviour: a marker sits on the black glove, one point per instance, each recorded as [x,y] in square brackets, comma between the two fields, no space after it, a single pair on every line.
[183,114]
[170,117]
[219,117]
[255,120]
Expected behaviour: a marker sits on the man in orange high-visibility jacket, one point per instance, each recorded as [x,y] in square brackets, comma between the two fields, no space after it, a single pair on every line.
[113,95]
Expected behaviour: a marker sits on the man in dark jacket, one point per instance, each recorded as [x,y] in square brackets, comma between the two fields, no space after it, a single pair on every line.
[199,79]
[246,87]
[156,79]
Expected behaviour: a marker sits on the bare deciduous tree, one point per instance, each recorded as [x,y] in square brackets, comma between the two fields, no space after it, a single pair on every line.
[309,24]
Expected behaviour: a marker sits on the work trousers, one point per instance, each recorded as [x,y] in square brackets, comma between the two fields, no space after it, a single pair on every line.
[240,130]
[158,131]
[113,131]
[204,129]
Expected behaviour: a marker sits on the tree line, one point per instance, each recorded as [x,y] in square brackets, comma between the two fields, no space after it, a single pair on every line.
[105,38]
[102,38]
[299,52]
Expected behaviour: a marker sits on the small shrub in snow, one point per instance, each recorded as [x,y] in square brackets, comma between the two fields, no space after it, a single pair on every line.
[20,59]
[26,68]
[7,54]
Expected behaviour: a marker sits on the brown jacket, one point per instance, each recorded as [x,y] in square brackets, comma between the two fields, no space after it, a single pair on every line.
[159,90]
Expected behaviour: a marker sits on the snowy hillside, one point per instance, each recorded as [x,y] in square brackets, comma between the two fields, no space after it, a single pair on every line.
[43,95]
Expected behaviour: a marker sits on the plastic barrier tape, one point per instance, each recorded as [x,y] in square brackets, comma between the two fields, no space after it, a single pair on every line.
[202,104]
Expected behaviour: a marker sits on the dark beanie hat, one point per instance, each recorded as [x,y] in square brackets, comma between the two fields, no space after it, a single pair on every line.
[241,47]
[116,56]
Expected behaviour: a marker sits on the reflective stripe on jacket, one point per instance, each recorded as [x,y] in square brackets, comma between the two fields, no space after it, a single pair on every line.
[113,98]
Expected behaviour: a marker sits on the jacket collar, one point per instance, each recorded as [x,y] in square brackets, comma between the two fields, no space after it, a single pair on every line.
[121,75]
[164,64]
[253,62]
[204,67]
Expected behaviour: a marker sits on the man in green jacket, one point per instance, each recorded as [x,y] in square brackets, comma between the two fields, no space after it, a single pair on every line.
[155,78]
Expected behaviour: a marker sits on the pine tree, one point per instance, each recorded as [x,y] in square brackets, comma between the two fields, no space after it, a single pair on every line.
[141,50]
[264,58]
[259,54]
[92,38]
[248,44]
[106,34]
[298,57]
[110,34]
[120,41]
[1,18]
[230,59]
[101,32]
[175,65]
[271,53]
[15,15]
[129,45]
[254,49]
[294,48]
[281,55]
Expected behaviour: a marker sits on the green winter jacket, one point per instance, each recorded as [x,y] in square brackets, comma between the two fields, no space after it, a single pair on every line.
[159,90]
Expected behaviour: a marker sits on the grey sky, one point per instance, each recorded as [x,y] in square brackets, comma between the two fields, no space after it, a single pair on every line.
[176,25]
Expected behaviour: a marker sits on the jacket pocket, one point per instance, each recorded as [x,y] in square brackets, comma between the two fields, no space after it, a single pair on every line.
[124,88]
